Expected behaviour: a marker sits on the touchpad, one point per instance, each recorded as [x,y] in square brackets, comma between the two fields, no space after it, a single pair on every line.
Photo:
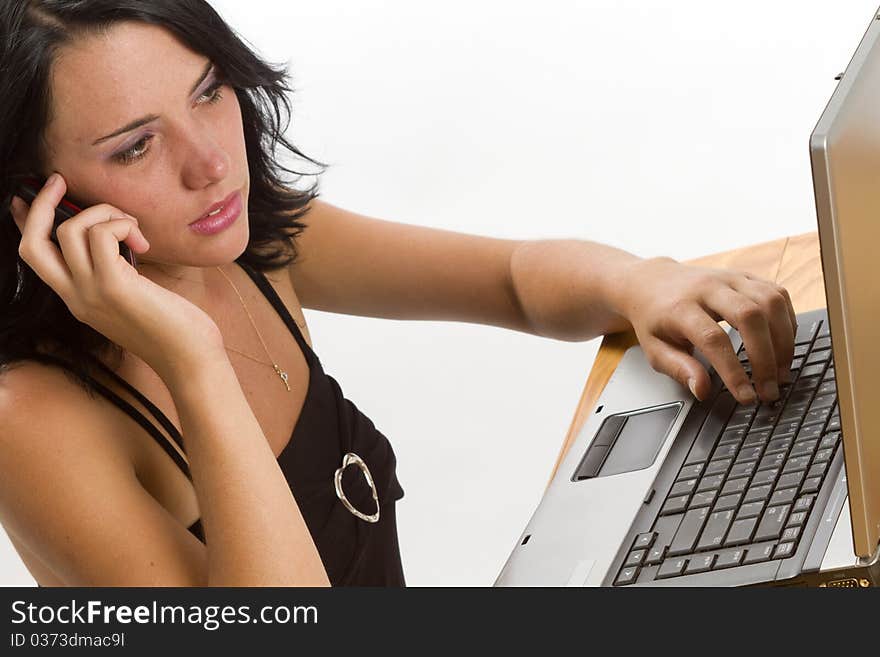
[628,441]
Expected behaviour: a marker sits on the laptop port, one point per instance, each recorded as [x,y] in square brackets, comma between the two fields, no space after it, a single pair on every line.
[846,583]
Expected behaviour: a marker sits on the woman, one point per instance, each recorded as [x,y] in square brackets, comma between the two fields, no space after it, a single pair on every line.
[163,125]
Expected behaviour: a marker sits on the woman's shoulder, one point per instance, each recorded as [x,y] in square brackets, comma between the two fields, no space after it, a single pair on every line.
[45,402]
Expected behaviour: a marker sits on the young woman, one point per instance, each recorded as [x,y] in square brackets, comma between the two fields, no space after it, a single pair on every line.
[169,423]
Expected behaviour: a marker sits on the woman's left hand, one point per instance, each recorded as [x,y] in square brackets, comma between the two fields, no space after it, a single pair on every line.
[674,307]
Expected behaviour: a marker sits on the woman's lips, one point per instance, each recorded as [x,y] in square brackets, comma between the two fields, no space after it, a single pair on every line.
[215,223]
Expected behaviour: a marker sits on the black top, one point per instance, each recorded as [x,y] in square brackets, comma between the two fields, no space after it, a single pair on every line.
[354,552]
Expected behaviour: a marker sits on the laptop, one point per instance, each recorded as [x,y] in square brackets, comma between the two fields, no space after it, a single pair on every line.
[660,489]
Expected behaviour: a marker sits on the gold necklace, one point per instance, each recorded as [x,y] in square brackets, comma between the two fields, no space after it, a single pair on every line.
[274,365]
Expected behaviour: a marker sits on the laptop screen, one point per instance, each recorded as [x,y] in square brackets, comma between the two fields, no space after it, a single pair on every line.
[845,157]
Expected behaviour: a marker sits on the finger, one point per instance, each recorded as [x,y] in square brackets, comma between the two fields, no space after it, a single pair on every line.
[104,239]
[792,315]
[695,325]
[676,362]
[35,248]
[747,317]
[776,307]
[74,239]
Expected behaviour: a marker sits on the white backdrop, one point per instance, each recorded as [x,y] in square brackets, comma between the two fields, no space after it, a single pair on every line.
[676,130]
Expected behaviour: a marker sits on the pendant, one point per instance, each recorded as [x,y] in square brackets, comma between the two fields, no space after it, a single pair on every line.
[283,376]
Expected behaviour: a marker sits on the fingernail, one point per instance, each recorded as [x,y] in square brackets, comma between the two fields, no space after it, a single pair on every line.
[692,384]
[51,180]
[771,390]
[746,393]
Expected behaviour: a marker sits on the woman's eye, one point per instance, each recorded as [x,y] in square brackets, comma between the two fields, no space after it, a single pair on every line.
[212,94]
[136,152]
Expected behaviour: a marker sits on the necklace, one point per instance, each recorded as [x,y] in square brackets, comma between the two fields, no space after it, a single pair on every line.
[281,373]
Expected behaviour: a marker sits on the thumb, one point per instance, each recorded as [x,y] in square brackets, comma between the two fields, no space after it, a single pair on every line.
[680,365]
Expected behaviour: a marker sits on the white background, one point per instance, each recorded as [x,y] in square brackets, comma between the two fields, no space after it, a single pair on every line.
[676,130]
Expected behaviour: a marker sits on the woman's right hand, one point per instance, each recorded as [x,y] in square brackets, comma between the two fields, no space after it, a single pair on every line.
[102,289]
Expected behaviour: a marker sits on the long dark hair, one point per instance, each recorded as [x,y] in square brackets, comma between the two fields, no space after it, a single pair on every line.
[31,32]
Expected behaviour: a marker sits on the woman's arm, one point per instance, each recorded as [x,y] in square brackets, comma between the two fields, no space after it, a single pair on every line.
[254,531]
[69,491]
[566,289]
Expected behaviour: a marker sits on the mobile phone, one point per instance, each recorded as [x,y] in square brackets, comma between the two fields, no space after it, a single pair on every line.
[30,186]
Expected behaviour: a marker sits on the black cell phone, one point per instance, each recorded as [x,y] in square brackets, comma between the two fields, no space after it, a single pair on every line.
[30,186]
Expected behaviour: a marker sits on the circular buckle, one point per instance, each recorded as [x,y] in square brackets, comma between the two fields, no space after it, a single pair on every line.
[347,460]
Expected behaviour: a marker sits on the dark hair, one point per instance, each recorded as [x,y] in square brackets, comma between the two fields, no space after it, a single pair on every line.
[31,32]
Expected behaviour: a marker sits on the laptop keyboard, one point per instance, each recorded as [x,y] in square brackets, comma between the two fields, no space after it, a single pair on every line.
[747,485]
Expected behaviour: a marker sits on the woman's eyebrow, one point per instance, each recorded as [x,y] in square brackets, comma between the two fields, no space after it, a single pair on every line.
[137,123]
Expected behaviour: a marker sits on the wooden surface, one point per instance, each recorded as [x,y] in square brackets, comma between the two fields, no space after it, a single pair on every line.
[793,262]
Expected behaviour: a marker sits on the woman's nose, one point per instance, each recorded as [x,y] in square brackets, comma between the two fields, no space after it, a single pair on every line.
[207,163]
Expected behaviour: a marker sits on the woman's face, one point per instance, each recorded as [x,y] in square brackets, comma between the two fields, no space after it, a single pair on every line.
[187,153]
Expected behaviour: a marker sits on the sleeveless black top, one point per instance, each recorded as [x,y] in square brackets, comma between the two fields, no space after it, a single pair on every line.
[354,552]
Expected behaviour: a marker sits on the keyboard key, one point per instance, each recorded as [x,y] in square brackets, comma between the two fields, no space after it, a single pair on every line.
[747,455]
[733,435]
[690,472]
[822,343]
[812,485]
[703,499]
[718,467]
[791,479]
[772,461]
[817,469]
[750,510]
[716,529]
[807,382]
[803,503]
[772,522]
[727,451]
[790,533]
[823,455]
[829,440]
[824,330]
[741,531]
[797,518]
[796,463]
[818,416]
[688,531]
[804,448]
[729,558]
[765,477]
[783,550]
[683,488]
[655,555]
[813,370]
[806,331]
[809,432]
[756,493]
[827,388]
[829,373]
[635,558]
[699,563]
[671,568]
[818,356]
[785,429]
[759,553]
[782,496]
[727,502]
[833,423]
[644,540]
[757,438]
[710,482]
[627,576]
[778,445]
[734,486]
[674,505]
[722,409]
[825,401]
